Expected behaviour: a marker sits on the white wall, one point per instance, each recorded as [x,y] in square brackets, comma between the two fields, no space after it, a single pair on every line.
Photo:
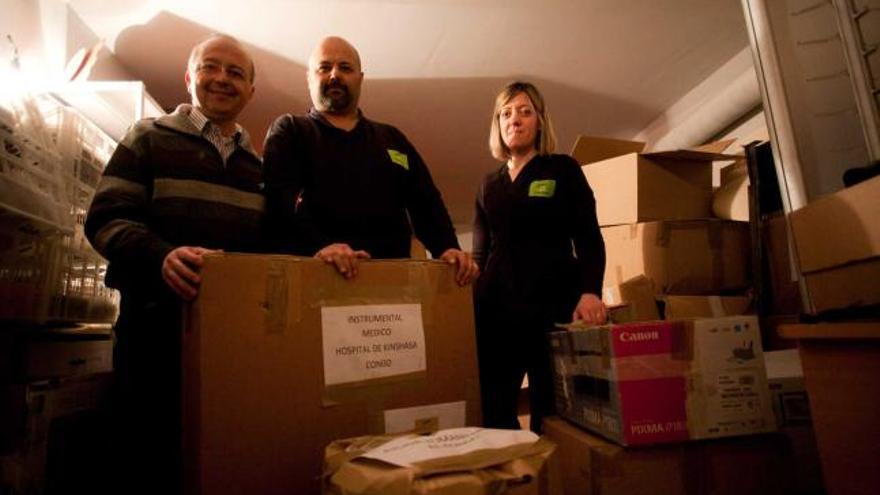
[720,100]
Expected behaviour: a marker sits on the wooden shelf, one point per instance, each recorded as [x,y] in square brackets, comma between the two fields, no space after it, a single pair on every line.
[847,330]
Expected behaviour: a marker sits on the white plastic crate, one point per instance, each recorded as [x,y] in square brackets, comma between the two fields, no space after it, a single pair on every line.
[31,183]
[85,148]
[29,261]
[45,278]
[48,270]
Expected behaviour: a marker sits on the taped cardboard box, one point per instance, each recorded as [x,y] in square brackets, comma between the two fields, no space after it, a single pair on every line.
[590,465]
[693,257]
[282,356]
[664,381]
[631,186]
[463,461]
[678,307]
[634,297]
[838,247]
[731,200]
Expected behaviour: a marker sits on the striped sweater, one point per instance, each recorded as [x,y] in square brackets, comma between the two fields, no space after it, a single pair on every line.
[167,186]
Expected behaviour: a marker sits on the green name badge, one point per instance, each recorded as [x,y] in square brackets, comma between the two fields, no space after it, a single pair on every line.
[542,188]
[399,158]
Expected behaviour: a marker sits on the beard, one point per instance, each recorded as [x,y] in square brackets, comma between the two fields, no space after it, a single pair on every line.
[336,101]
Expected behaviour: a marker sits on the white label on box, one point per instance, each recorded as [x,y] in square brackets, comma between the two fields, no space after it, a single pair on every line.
[728,343]
[375,341]
[448,415]
[407,451]
[732,368]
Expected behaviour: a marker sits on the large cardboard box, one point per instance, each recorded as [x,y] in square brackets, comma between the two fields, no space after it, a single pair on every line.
[838,247]
[590,465]
[665,381]
[841,365]
[678,307]
[631,186]
[282,356]
[692,257]
[633,300]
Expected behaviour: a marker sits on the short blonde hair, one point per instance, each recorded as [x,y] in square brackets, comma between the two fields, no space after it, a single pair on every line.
[545,140]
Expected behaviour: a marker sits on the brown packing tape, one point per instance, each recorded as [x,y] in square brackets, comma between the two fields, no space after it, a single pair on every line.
[664,233]
[473,404]
[607,346]
[568,346]
[374,392]
[683,340]
[715,232]
[277,291]
[444,284]
[428,424]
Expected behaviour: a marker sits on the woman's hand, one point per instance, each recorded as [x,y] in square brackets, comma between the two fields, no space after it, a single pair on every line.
[590,309]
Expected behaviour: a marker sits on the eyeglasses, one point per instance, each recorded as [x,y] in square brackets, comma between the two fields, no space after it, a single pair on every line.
[214,68]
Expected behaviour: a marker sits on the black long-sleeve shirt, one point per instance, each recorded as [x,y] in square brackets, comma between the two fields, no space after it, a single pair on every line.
[360,187]
[537,238]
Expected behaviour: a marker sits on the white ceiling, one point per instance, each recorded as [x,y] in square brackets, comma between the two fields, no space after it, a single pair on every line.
[432,67]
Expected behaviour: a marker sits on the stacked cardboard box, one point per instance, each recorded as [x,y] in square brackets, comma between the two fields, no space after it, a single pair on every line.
[590,465]
[838,248]
[657,222]
[282,356]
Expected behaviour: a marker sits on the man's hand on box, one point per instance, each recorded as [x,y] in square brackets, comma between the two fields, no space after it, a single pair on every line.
[343,257]
[466,268]
[590,309]
[180,270]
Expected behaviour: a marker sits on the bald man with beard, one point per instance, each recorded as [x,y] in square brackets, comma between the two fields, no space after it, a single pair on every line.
[342,187]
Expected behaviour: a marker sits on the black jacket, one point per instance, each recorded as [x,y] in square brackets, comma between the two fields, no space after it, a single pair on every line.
[361,187]
[537,240]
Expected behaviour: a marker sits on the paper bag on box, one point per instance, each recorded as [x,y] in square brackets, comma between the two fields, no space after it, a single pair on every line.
[458,461]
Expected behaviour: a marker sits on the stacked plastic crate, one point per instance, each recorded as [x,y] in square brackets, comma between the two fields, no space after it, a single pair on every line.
[50,164]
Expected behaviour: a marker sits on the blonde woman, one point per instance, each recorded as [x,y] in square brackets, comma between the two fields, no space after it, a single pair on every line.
[530,212]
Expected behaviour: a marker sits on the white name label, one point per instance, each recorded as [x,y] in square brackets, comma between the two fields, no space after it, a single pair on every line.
[407,451]
[375,341]
[448,415]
